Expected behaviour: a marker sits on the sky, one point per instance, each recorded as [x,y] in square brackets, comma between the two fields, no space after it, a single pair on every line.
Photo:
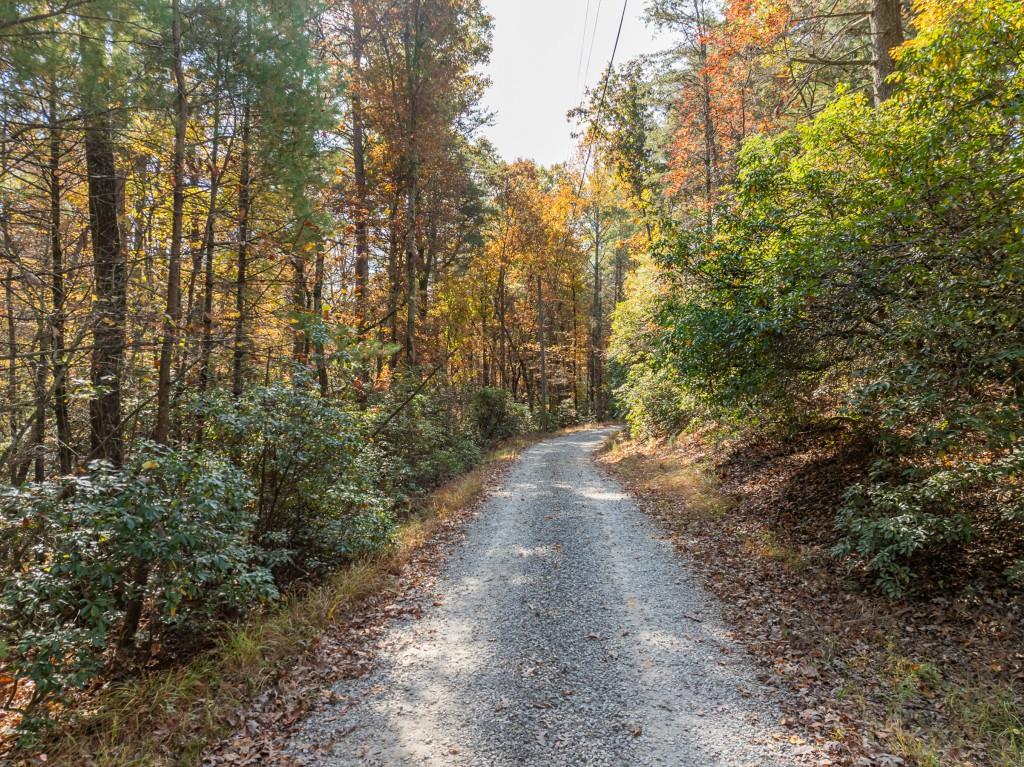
[535,65]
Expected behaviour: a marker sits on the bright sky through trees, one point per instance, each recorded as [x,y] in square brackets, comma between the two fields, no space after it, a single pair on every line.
[535,62]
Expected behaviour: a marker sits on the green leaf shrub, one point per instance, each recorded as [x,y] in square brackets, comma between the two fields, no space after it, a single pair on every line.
[431,439]
[654,401]
[898,519]
[316,500]
[168,535]
[497,415]
[868,264]
[649,391]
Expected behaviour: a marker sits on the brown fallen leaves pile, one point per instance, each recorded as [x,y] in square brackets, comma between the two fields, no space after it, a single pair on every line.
[935,679]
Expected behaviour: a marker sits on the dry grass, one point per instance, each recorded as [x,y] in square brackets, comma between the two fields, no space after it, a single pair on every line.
[168,717]
[669,477]
[768,544]
[989,718]
[681,487]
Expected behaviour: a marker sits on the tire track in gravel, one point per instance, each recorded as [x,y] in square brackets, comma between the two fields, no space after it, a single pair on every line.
[564,631]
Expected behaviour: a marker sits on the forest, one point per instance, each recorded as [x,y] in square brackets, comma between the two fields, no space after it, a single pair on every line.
[266,286]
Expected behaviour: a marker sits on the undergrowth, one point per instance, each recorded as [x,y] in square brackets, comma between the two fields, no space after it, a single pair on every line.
[168,717]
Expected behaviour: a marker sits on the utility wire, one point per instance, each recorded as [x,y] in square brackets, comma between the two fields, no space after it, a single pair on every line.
[581,73]
[583,177]
[597,116]
[593,39]
[583,47]
[601,103]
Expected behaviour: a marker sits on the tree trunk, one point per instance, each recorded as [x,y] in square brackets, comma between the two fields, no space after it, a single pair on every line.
[542,341]
[318,310]
[711,152]
[238,357]
[485,362]
[575,353]
[362,266]
[109,306]
[412,42]
[172,315]
[12,338]
[206,350]
[300,305]
[428,255]
[595,367]
[503,356]
[886,34]
[618,291]
[65,455]
[42,375]
[393,273]
[12,371]
[133,610]
[410,272]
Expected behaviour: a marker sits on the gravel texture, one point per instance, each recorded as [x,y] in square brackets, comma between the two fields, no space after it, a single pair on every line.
[562,631]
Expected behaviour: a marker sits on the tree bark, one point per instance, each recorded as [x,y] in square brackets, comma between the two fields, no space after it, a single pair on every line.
[886,35]
[575,353]
[42,395]
[65,456]
[410,273]
[411,284]
[542,341]
[110,275]
[485,364]
[596,372]
[318,310]
[206,349]
[711,157]
[503,357]
[412,42]
[12,372]
[172,315]
[394,277]
[300,305]
[362,266]
[238,357]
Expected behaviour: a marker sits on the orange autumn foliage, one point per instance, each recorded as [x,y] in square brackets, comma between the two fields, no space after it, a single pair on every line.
[737,86]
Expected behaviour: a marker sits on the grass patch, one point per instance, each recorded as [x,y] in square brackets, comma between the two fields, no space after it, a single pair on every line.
[168,717]
[979,718]
[997,718]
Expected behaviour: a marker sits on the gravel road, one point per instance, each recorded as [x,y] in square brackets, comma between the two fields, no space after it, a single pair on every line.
[562,631]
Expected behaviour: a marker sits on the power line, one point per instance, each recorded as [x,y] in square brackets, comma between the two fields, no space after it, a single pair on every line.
[597,116]
[601,103]
[583,47]
[593,38]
